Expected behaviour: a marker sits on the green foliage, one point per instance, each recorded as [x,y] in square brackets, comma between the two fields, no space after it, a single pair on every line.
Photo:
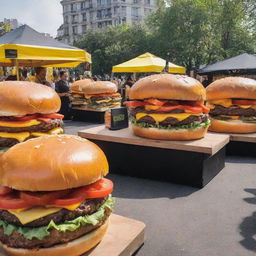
[190,32]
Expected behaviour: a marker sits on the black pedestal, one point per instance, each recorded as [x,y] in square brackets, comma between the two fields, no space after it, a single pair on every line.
[88,116]
[178,166]
[240,148]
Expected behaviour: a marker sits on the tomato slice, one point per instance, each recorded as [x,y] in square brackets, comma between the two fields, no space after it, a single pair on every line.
[5,190]
[169,108]
[53,116]
[243,102]
[134,104]
[100,188]
[42,198]
[155,102]
[12,201]
[192,109]
[25,118]
[45,120]
[205,109]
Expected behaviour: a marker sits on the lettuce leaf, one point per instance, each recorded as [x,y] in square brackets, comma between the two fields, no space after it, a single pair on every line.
[3,149]
[69,225]
[193,125]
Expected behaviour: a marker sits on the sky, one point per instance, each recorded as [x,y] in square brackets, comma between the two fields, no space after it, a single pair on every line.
[45,16]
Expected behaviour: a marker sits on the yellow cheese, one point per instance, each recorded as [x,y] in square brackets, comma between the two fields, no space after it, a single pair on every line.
[223,102]
[20,136]
[28,215]
[24,124]
[57,130]
[32,214]
[161,117]
[87,96]
[72,207]
[245,106]
[101,101]
[231,117]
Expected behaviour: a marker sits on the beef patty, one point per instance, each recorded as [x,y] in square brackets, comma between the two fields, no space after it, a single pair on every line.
[17,240]
[173,121]
[42,127]
[87,207]
[7,142]
[232,111]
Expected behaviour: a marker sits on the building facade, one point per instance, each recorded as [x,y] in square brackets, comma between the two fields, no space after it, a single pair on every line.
[80,16]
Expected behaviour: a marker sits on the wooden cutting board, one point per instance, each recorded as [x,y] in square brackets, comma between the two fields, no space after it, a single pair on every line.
[124,236]
[210,144]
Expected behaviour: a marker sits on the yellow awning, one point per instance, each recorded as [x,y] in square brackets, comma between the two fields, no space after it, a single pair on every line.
[34,56]
[147,62]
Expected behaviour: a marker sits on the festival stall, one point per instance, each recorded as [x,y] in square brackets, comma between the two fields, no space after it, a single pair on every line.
[147,63]
[25,47]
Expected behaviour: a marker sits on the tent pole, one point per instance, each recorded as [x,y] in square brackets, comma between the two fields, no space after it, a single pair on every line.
[17,69]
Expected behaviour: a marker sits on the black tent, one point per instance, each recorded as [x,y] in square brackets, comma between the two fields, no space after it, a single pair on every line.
[244,63]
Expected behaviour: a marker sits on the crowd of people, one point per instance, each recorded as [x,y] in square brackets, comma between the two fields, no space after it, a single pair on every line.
[61,80]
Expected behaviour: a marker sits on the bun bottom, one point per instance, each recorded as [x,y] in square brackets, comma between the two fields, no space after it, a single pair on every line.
[73,248]
[160,134]
[232,126]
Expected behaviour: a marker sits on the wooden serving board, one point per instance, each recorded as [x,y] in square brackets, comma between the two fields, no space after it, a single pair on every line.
[210,144]
[124,236]
[249,137]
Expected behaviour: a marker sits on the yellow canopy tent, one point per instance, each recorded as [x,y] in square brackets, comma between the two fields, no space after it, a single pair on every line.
[147,62]
[28,48]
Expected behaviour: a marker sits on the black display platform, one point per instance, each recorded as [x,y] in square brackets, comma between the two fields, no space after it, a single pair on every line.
[192,163]
[88,115]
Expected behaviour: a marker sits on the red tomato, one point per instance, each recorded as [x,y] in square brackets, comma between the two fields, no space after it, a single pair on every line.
[134,104]
[5,190]
[25,118]
[244,102]
[67,200]
[12,201]
[170,108]
[192,109]
[45,120]
[53,116]
[205,109]
[100,188]
[42,198]
[155,102]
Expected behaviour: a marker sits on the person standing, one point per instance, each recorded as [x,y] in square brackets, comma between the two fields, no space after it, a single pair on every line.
[63,89]
[41,76]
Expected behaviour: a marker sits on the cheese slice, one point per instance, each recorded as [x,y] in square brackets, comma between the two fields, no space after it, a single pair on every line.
[223,102]
[20,136]
[28,215]
[101,101]
[245,106]
[151,107]
[161,117]
[231,117]
[57,130]
[16,124]
[34,213]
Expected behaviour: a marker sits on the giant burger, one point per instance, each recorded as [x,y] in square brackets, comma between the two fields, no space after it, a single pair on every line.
[78,98]
[101,95]
[232,101]
[169,107]
[27,110]
[54,199]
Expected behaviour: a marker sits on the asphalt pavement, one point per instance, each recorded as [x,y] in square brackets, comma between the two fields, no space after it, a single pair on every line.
[218,220]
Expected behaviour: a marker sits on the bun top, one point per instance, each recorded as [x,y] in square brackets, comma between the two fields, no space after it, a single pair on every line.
[77,85]
[51,163]
[19,98]
[232,87]
[168,86]
[99,87]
